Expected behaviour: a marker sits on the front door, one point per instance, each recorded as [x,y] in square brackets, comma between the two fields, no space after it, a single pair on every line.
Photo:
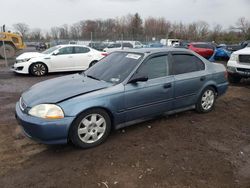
[155,96]
[63,60]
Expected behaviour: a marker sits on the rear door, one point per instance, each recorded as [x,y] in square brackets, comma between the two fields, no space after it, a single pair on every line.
[189,77]
[154,96]
[82,57]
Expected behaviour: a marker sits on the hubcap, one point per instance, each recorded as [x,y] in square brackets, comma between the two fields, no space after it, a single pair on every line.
[39,69]
[207,100]
[91,128]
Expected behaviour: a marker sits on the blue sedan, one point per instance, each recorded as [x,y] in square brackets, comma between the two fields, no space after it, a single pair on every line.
[122,89]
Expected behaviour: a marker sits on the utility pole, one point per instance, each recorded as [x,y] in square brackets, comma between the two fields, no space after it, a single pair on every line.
[122,41]
[4,49]
[91,38]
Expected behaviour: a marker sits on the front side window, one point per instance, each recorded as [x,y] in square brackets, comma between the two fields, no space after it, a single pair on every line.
[66,50]
[50,50]
[81,50]
[185,63]
[155,67]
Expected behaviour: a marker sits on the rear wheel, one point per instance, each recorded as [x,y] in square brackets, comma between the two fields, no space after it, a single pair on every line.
[92,63]
[90,129]
[38,69]
[234,78]
[206,101]
[10,51]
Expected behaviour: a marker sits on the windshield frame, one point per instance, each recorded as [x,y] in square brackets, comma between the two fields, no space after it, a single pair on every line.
[49,50]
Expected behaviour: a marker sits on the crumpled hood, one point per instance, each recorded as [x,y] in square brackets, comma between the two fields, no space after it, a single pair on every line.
[58,89]
[29,55]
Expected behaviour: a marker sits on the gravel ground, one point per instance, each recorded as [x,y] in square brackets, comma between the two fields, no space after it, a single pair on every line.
[183,150]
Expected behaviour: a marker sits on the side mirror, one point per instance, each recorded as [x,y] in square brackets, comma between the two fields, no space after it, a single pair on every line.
[138,78]
[55,52]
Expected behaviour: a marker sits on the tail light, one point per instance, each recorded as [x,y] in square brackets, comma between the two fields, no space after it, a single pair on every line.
[104,54]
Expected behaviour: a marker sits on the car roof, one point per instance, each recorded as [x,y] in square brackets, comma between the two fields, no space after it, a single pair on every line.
[154,50]
[79,45]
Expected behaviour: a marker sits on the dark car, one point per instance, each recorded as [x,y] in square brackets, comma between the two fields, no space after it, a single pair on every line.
[122,89]
[100,46]
[206,50]
[41,46]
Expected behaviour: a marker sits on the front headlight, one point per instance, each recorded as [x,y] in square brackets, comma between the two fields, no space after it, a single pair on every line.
[234,57]
[47,111]
[23,60]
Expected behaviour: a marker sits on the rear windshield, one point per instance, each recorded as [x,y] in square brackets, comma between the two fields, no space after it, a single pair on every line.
[114,68]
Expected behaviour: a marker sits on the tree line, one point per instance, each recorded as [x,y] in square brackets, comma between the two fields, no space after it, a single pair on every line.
[133,27]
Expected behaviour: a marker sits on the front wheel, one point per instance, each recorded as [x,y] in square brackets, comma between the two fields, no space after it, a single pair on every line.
[90,129]
[206,101]
[38,69]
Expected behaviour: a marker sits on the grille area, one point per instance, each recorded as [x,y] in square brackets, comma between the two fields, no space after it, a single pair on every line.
[244,58]
[243,70]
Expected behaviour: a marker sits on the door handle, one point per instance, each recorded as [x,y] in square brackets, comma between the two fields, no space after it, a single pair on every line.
[167,85]
[203,78]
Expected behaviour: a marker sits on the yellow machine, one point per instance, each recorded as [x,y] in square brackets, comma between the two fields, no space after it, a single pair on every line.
[12,42]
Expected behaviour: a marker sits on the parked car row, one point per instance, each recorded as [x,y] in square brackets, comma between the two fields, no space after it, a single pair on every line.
[57,59]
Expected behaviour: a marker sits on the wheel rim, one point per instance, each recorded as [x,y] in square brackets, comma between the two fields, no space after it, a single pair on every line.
[91,128]
[39,69]
[207,100]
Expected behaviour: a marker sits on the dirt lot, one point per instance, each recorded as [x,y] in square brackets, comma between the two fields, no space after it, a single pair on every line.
[183,150]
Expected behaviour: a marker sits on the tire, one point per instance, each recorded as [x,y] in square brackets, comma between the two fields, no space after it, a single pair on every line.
[234,79]
[10,51]
[206,100]
[38,69]
[90,128]
[92,63]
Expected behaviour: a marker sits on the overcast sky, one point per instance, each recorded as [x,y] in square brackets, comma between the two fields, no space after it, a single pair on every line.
[48,13]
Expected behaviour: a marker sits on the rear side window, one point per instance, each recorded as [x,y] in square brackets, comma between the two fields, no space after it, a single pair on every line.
[155,67]
[81,50]
[185,63]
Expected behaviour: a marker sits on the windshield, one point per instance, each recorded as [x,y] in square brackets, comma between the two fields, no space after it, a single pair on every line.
[50,50]
[115,67]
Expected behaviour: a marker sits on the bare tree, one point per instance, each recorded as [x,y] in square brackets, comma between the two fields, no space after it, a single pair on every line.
[36,34]
[244,26]
[54,32]
[22,28]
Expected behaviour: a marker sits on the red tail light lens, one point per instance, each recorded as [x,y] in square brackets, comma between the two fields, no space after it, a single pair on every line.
[104,54]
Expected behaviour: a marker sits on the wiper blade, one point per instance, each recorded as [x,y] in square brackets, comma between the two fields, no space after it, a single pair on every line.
[93,77]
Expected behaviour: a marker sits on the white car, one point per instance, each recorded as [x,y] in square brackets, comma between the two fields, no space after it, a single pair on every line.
[117,46]
[57,59]
[238,65]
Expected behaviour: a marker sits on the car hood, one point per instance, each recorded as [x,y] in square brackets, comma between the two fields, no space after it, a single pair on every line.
[55,90]
[29,55]
[244,51]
